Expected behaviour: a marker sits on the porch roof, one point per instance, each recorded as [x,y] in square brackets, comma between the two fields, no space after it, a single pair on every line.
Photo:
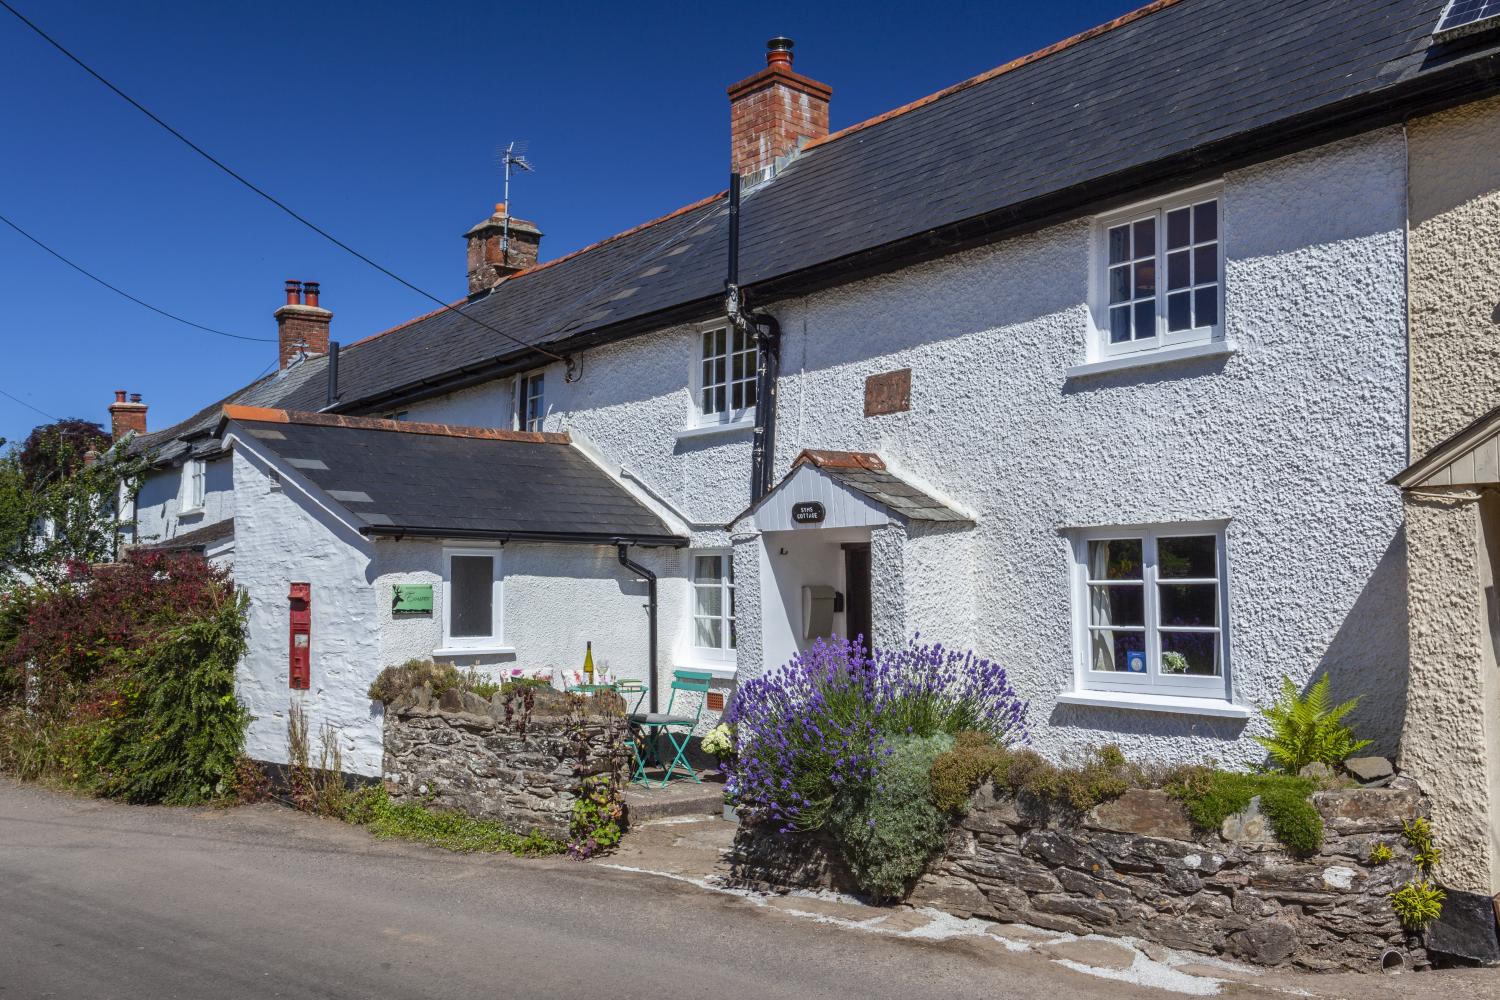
[1469,458]
[397,478]
[866,474]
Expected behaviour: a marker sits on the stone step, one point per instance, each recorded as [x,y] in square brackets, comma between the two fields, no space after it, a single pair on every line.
[680,798]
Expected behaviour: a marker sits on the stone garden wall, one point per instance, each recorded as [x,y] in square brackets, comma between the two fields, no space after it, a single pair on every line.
[493,760]
[1135,867]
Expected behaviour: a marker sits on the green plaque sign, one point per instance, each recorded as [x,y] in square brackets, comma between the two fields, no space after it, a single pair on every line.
[411,598]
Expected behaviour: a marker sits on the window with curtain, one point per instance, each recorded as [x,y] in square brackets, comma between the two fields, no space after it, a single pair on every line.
[713,604]
[1153,608]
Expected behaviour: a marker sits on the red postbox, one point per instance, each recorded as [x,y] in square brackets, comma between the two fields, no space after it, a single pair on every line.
[299,674]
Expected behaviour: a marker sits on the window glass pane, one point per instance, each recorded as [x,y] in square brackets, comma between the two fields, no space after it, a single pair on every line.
[1180,311]
[733,638]
[1119,324]
[1206,264]
[1188,557]
[1195,654]
[1192,604]
[1115,559]
[1145,238]
[1206,221]
[1111,651]
[472,589]
[718,402]
[710,601]
[719,370]
[1118,605]
[708,633]
[1119,284]
[749,394]
[1206,306]
[1145,278]
[706,569]
[737,396]
[1119,244]
[1145,319]
[1179,232]
[1177,270]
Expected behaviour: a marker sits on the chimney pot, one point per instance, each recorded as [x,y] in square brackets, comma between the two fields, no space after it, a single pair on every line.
[135,397]
[779,51]
[293,293]
[311,288]
[119,395]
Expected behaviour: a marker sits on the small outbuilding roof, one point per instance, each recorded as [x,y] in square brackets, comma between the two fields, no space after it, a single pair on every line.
[397,478]
[1469,458]
[866,474]
[198,540]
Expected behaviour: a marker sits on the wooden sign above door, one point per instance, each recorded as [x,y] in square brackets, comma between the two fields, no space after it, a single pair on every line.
[888,392]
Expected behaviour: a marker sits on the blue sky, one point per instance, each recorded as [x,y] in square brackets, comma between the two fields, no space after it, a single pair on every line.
[379,121]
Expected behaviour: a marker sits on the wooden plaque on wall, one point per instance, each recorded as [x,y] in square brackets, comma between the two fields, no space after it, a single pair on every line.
[888,392]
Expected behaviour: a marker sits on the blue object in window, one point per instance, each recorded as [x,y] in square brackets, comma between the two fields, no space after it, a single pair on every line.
[1135,662]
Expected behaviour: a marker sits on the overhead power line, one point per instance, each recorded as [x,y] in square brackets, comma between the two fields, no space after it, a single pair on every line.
[263,193]
[120,291]
[28,406]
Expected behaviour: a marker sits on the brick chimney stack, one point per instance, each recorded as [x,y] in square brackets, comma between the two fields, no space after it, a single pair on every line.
[301,324]
[489,262]
[126,417]
[773,113]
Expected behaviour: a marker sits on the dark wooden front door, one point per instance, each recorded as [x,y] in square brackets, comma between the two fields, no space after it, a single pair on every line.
[857,592]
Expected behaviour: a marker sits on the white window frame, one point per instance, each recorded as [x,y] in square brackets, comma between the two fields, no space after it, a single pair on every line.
[495,641]
[726,588]
[194,485]
[522,395]
[1157,209]
[1153,681]
[729,415]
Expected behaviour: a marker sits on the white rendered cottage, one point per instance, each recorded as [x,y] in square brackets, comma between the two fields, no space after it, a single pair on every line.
[1102,374]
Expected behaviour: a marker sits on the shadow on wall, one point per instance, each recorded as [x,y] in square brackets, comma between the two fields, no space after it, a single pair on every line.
[1369,657]
[1112,724]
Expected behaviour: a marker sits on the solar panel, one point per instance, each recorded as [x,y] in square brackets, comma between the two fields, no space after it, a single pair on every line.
[1467,16]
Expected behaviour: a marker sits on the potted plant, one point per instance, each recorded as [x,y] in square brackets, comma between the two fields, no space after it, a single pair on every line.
[719,743]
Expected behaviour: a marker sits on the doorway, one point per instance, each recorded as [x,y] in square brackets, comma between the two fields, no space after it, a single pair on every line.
[857,611]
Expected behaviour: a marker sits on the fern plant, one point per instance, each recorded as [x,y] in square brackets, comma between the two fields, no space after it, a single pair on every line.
[1418,904]
[1306,730]
[1425,852]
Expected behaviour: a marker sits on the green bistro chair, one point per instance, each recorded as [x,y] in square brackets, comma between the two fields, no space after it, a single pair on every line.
[654,724]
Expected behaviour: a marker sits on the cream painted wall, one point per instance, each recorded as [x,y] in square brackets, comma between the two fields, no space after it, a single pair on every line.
[1455,270]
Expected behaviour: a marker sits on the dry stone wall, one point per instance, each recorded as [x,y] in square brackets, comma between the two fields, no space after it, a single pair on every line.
[1135,867]
[492,761]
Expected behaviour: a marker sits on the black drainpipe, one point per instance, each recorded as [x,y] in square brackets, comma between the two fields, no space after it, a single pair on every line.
[767,333]
[333,373]
[650,579]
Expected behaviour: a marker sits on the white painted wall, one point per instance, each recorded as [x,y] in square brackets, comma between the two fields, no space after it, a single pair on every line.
[1291,439]
[158,506]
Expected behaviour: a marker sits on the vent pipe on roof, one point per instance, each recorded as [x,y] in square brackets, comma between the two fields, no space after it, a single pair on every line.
[767,333]
[333,374]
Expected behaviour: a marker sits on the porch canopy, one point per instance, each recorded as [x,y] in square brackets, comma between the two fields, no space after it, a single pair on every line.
[1469,458]
[844,489]
[406,479]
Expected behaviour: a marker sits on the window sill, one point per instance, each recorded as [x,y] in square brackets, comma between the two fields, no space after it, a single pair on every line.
[1170,704]
[190,512]
[456,651]
[718,671]
[1150,359]
[711,430]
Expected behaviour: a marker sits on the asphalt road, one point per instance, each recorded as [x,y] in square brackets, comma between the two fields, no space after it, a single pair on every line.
[99,900]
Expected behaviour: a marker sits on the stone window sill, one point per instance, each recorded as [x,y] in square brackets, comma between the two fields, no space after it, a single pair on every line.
[1150,359]
[712,430]
[718,671]
[1170,704]
[453,651]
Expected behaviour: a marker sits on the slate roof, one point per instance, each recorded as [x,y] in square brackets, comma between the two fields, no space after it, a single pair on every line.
[398,478]
[196,540]
[1177,89]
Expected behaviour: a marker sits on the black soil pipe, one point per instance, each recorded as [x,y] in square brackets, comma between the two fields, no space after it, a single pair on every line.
[333,372]
[767,370]
[650,578]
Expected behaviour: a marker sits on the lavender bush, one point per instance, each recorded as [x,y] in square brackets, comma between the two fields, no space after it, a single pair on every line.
[818,728]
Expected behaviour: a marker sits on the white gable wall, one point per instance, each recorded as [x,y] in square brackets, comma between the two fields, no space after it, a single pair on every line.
[158,506]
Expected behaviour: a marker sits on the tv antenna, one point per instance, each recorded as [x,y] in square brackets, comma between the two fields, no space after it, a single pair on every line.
[513,155]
